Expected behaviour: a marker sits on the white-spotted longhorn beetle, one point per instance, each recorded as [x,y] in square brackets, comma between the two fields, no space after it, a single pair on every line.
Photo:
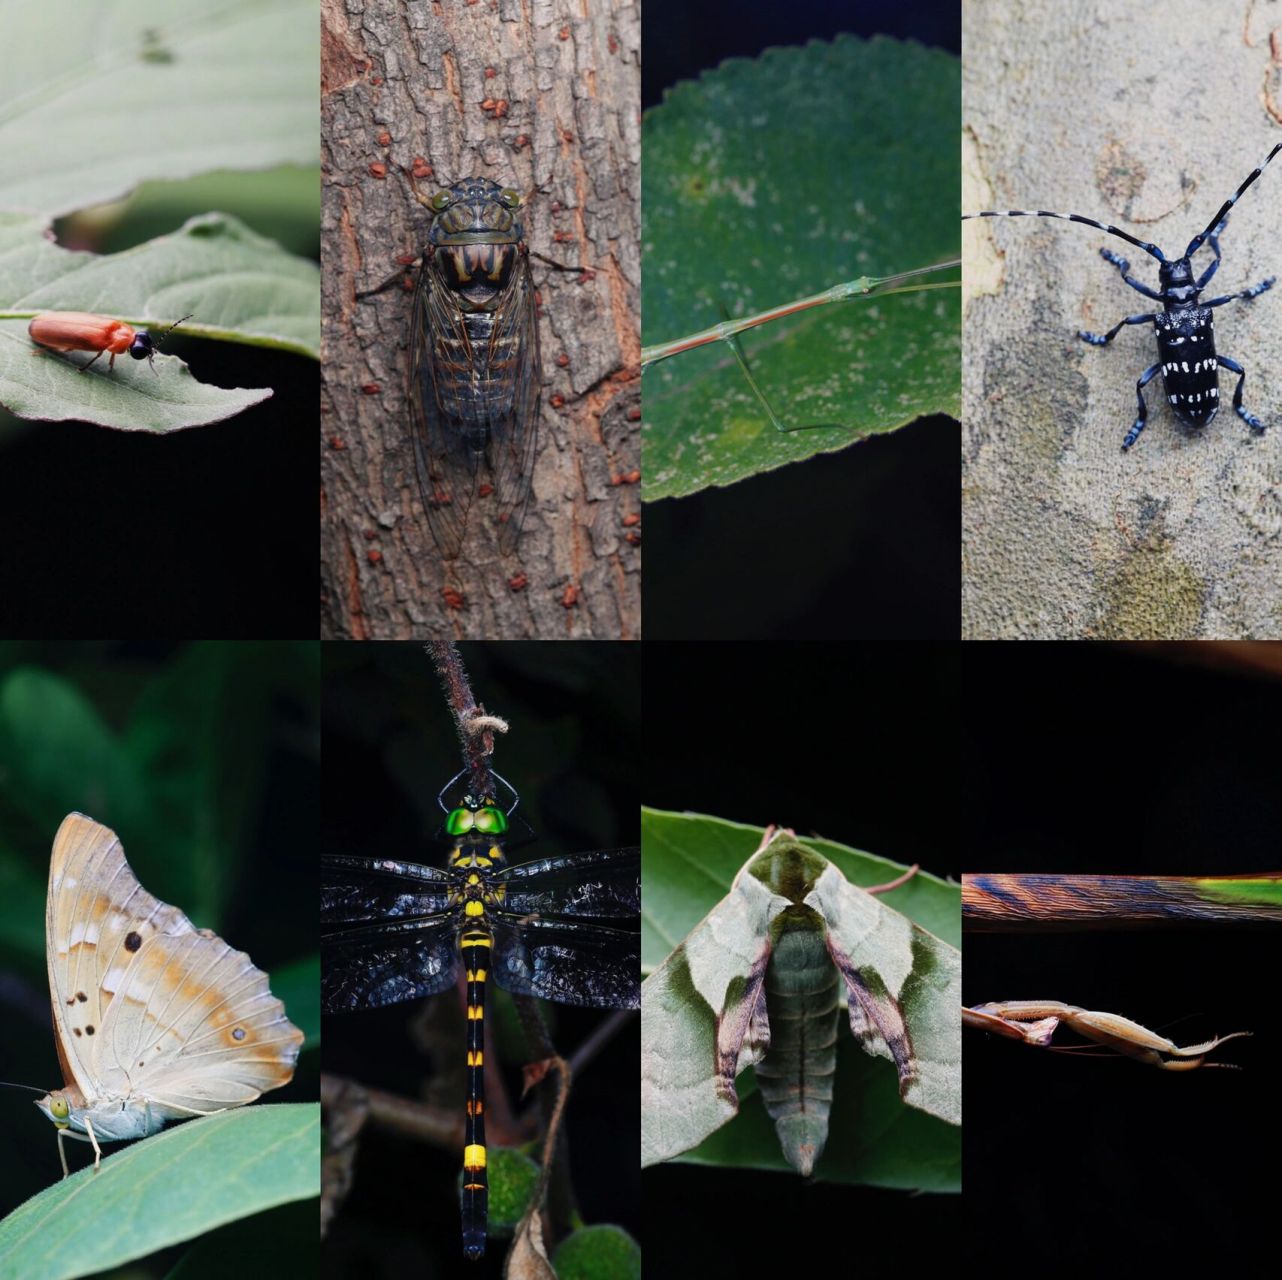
[1185,328]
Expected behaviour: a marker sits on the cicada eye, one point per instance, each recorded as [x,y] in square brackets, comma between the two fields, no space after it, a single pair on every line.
[510,198]
[440,200]
[491,821]
[459,822]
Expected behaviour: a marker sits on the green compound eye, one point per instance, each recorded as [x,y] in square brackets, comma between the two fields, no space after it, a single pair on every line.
[491,821]
[510,198]
[440,200]
[460,821]
[58,1107]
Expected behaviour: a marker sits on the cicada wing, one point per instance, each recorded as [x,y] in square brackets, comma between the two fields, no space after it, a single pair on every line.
[703,1020]
[447,467]
[904,990]
[514,349]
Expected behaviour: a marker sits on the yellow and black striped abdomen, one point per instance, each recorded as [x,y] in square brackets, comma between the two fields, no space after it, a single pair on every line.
[475,945]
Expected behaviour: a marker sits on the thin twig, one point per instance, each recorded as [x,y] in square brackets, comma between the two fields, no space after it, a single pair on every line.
[474,727]
[1034,903]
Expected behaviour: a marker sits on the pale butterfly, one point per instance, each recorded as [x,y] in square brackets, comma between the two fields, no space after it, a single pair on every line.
[155,1020]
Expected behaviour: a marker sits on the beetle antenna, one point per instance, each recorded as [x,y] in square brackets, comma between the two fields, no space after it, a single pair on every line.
[172,327]
[1148,248]
[1196,243]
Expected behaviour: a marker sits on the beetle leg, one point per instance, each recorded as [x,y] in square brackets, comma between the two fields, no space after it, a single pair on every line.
[1124,267]
[1103,339]
[1249,418]
[1142,416]
[1253,292]
[83,367]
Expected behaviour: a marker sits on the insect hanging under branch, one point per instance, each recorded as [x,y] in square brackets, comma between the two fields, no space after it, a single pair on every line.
[563,927]
[1187,359]
[474,378]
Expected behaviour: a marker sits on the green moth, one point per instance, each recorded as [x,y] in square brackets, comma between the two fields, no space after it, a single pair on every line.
[757,983]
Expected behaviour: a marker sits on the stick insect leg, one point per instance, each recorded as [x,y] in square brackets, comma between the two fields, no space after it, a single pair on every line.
[1103,339]
[733,342]
[1138,425]
[1249,418]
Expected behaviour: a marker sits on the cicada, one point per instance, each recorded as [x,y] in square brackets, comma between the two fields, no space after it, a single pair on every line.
[474,365]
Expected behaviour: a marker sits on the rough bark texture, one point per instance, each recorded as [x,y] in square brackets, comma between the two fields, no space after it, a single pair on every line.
[543,96]
[1146,116]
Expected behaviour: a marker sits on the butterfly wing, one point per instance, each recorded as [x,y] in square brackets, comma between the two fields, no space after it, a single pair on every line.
[145,1004]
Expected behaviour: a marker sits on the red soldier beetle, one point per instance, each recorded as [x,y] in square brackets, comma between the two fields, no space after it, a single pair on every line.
[64,331]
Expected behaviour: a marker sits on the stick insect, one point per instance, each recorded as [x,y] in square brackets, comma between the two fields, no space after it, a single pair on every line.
[728,330]
[1034,1022]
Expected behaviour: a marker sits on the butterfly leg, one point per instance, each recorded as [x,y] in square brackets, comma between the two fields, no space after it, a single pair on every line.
[62,1153]
[97,1150]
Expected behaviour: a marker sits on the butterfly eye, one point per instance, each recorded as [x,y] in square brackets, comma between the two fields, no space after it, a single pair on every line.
[459,822]
[58,1107]
[493,822]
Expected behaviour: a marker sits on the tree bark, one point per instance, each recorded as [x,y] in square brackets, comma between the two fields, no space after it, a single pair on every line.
[537,97]
[1089,109]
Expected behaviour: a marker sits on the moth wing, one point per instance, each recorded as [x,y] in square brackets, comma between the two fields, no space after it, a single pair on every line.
[145,1003]
[903,987]
[703,1021]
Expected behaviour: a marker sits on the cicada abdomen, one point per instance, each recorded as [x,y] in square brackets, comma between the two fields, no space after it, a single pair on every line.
[474,366]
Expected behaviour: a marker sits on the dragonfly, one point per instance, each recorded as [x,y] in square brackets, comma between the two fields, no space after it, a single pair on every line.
[564,927]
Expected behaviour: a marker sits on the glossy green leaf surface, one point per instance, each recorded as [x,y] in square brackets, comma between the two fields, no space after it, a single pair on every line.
[238,287]
[144,1196]
[108,94]
[688,864]
[769,180]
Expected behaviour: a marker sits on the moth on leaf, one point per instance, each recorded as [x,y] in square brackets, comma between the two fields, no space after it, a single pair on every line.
[756,983]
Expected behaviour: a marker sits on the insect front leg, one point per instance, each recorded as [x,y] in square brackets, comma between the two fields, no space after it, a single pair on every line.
[1214,241]
[1103,339]
[1124,267]
[1138,425]
[1249,418]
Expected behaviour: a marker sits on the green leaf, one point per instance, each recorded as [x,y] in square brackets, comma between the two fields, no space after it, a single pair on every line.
[688,864]
[58,755]
[297,985]
[772,179]
[109,94]
[600,1252]
[688,861]
[281,1242]
[181,1183]
[239,286]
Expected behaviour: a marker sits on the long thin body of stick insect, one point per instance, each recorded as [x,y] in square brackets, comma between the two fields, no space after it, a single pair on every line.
[1034,903]
[1034,1022]
[728,330]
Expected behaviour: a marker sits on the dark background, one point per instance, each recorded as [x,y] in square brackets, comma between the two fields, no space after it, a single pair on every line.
[853,743]
[1120,759]
[886,513]
[209,531]
[573,754]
